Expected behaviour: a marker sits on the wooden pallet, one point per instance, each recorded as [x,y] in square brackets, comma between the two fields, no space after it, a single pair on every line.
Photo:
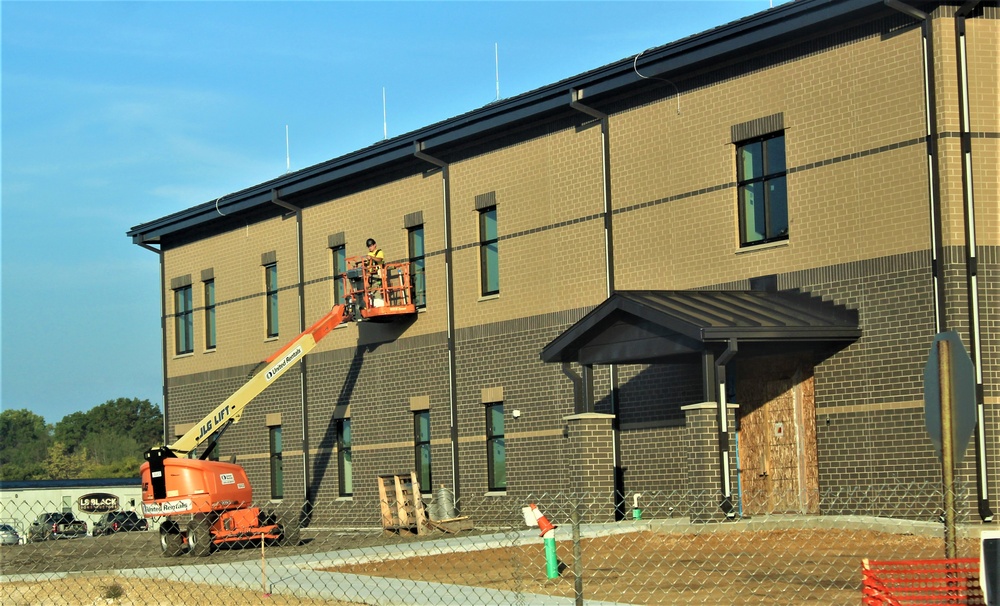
[401,503]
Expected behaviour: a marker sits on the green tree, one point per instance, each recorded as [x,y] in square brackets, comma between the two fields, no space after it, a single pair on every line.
[24,443]
[130,418]
[63,465]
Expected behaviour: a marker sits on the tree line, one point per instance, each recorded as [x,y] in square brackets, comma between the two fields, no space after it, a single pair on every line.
[107,441]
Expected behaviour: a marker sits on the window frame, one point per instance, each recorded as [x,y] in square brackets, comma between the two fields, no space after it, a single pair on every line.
[489,252]
[211,336]
[271,299]
[277,466]
[421,445]
[338,259]
[769,176]
[418,259]
[183,320]
[495,439]
[345,465]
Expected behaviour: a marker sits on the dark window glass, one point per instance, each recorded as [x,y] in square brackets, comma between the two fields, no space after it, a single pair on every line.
[416,241]
[183,321]
[277,470]
[496,449]
[763,197]
[339,269]
[346,480]
[210,314]
[271,296]
[422,448]
[489,256]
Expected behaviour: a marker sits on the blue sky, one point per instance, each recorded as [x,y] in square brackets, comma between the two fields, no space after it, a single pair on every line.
[118,113]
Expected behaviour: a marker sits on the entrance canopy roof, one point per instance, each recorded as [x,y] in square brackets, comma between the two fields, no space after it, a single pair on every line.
[650,326]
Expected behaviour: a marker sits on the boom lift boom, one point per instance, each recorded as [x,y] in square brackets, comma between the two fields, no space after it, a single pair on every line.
[218,494]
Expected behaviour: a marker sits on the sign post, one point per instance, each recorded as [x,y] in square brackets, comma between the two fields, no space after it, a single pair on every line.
[950,414]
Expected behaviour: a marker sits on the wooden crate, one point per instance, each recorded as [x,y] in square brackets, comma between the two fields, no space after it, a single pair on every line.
[401,504]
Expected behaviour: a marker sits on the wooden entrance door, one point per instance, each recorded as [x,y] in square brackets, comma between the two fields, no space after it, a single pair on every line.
[777,444]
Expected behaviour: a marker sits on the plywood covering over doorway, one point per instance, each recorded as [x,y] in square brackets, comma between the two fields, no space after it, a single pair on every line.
[777,436]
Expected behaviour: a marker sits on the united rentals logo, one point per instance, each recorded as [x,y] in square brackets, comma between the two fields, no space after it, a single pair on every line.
[278,368]
[159,509]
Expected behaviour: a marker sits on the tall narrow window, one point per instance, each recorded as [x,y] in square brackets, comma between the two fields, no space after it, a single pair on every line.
[183,320]
[422,448]
[339,269]
[271,298]
[416,243]
[489,259]
[763,198]
[209,314]
[344,457]
[496,449]
[277,469]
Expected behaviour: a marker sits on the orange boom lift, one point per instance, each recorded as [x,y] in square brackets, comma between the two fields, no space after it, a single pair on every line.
[217,495]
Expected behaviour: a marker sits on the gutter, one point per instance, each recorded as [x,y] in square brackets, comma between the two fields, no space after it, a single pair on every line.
[971,260]
[419,153]
[575,95]
[303,367]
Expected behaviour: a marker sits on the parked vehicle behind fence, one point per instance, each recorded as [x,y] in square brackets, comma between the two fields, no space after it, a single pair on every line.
[56,526]
[8,535]
[118,521]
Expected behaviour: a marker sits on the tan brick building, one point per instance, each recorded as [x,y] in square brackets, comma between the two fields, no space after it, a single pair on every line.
[771,219]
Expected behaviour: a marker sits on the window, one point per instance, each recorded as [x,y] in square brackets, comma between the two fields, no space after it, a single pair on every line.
[183,320]
[496,450]
[422,448]
[763,199]
[416,244]
[339,269]
[271,298]
[344,457]
[209,314]
[489,260]
[277,470]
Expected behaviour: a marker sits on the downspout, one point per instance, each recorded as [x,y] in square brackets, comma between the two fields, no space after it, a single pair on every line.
[163,333]
[418,152]
[971,260]
[933,160]
[720,380]
[576,95]
[303,384]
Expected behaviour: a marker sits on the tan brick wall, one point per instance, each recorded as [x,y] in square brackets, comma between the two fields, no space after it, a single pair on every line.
[538,183]
[235,257]
[853,99]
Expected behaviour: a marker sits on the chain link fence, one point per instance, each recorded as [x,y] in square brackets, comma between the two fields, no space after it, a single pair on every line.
[655,555]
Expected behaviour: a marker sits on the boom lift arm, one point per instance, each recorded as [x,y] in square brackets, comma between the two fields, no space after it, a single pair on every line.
[230,411]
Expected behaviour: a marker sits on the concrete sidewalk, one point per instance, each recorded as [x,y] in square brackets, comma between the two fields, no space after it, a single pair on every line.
[301,576]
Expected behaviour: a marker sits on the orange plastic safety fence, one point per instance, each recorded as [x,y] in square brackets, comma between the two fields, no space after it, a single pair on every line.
[920,582]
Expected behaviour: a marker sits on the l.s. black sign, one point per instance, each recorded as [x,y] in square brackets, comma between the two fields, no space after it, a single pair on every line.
[97,502]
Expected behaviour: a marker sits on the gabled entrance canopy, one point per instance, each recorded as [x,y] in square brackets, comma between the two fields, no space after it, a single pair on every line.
[660,326]
[657,326]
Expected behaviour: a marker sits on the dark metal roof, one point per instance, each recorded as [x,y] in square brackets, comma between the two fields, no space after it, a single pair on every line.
[647,326]
[752,35]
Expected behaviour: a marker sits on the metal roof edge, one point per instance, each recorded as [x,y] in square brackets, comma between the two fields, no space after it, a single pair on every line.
[721,40]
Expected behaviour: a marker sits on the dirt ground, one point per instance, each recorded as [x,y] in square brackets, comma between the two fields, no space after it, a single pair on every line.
[799,566]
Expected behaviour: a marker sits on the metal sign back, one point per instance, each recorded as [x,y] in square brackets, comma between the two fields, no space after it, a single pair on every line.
[963,382]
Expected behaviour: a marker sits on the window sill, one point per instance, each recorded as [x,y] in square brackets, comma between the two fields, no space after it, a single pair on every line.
[756,247]
[496,493]
[489,297]
[270,339]
[351,498]
[208,351]
[183,355]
